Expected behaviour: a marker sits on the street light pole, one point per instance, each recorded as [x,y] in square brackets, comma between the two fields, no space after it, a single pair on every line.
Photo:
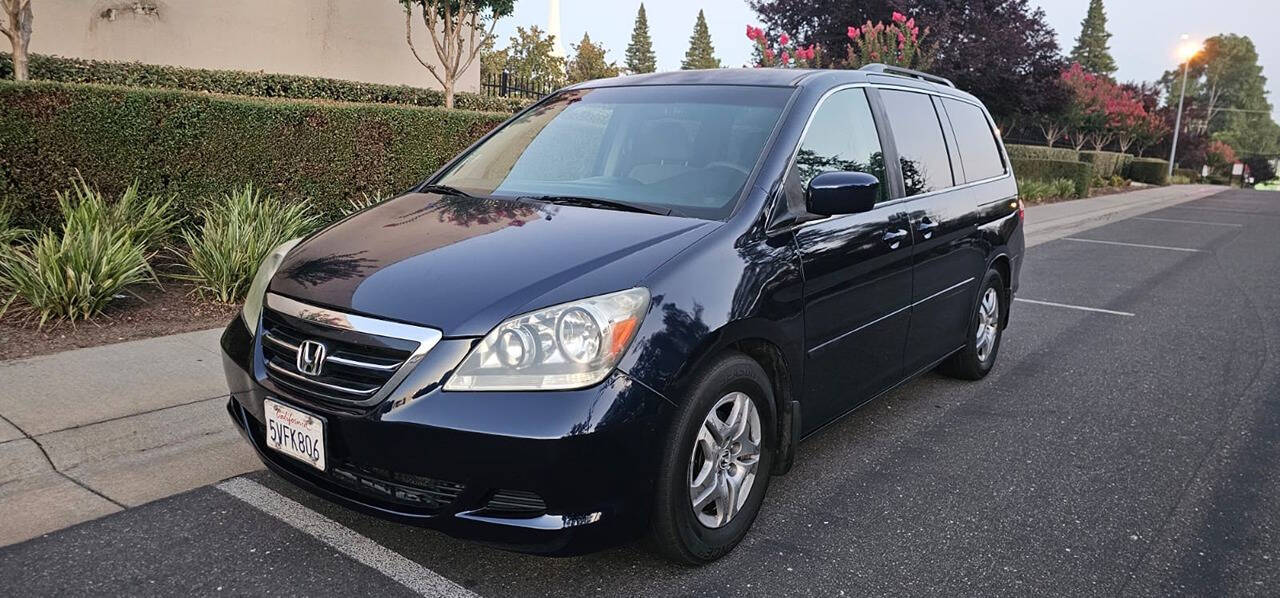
[1177,122]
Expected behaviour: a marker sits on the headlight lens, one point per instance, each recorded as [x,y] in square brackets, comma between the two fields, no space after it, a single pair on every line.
[571,345]
[258,290]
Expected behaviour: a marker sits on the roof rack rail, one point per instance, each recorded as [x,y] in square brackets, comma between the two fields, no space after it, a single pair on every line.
[877,67]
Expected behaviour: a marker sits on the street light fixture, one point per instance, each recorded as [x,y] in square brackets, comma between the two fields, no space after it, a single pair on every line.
[1186,51]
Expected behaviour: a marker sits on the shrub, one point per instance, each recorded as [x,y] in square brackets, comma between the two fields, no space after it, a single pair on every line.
[74,273]
[1105,164]
[1119,181]
[9,232]
[148,220]
[1152,171]
[236,234]
[1079,173]
[195,146]
[365,200]
[1179,179]
[1039,152]
[1033,190]
[1192,175]
[301,87]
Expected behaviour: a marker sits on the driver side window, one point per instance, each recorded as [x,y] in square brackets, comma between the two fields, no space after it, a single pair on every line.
[841,137]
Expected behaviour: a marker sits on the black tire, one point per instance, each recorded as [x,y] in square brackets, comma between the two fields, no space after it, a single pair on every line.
[970,363]
[676,532]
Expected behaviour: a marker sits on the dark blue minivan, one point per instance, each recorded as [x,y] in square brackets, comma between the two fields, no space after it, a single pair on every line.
[617,314]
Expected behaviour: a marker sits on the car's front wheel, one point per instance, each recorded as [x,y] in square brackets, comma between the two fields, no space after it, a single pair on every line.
[713,477]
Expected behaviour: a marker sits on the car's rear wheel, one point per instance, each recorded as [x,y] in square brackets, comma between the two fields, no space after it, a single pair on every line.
[714,474]
[982,344]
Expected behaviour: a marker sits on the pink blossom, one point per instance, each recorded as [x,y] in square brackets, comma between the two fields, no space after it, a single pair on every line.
[853,32]
[785,57]
[768,53]
[784,40]
[898,17]
[911,23]
[751,33]
[901,38]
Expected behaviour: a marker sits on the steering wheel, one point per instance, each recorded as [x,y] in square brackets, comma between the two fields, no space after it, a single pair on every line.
[729,165]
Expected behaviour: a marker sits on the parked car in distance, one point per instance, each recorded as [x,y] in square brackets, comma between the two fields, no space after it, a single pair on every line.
[617,314]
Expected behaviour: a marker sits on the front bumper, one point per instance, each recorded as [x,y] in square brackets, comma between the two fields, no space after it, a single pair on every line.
[590,455]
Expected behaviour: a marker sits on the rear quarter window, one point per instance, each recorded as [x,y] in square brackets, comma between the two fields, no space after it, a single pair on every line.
[976,138]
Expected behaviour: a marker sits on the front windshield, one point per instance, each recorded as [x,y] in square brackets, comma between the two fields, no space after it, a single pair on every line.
[686,148]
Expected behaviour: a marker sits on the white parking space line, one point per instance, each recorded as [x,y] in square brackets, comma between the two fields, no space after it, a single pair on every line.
[412,575]
[1188,221]
[1079,307]
[1185,249]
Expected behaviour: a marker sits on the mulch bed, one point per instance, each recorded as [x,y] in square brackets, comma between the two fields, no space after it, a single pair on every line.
[155,311]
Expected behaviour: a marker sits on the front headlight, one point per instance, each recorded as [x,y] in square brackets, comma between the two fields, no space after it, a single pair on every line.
[571,345]
[258,290]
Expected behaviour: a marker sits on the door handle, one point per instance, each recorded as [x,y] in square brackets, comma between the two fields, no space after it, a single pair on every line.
[894,238]
[926,227]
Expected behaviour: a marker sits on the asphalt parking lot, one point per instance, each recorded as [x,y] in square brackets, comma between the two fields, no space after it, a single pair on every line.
[1126,443]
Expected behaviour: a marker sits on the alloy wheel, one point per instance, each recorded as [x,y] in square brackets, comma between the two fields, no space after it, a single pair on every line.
[988,323]
[724,460]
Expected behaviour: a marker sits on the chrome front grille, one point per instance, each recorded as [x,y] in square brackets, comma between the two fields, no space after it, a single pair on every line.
[363,359]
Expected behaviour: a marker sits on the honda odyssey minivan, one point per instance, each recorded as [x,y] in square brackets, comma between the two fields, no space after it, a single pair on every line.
[617,314]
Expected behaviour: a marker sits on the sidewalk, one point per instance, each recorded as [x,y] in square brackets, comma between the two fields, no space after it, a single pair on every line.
[92,431]
[89,432]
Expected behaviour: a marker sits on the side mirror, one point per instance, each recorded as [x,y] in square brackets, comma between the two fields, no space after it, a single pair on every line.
[833,193]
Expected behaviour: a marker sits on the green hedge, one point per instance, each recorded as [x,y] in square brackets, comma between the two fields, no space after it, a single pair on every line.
[267,85]
[1192,174]
[1040,152]
[1105,164]
[1080,173]
[199,145]
[1152,171]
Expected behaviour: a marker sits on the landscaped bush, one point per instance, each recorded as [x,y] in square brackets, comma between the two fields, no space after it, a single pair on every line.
[148,220]
[235,235]
[136,74]
[73,272]
[1079,173]
[1039,152]
[1152,171]
[9,232]
[1179,179]
[195,146]
[1192,175]
[1105,164]
[1033,191]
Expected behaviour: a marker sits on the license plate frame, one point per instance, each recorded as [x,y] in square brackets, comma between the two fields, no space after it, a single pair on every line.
[296,433]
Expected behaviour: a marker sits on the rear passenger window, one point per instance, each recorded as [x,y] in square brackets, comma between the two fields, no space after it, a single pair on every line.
[977,140]
[917,132]
[841,137]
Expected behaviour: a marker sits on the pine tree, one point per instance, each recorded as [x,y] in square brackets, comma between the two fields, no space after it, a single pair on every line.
[640,56]
[701,54]
[1091,49]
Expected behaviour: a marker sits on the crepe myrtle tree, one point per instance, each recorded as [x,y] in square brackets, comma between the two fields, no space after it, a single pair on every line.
[782,52]
[457,29]
[17,27]
[897,43]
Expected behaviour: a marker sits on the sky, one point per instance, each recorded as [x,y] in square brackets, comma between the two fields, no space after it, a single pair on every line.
[1145,33]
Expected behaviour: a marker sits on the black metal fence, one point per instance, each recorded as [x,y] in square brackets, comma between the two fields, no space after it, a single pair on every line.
[508,85]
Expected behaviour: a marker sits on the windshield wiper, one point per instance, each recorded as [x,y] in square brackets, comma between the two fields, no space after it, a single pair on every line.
[445,190]
[608,204]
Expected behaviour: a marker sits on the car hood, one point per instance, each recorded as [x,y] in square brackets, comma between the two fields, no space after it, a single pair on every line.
[463,265]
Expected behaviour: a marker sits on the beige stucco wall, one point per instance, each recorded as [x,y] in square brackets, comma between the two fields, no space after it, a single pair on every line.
[359,40]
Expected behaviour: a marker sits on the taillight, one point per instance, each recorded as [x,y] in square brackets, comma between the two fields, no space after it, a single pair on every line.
[1022,210]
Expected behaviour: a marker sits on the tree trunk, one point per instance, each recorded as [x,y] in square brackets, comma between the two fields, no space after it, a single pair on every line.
[448,92]
[20,61]
[19,33]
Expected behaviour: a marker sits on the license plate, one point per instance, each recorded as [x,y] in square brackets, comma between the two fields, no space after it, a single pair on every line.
[295,433]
